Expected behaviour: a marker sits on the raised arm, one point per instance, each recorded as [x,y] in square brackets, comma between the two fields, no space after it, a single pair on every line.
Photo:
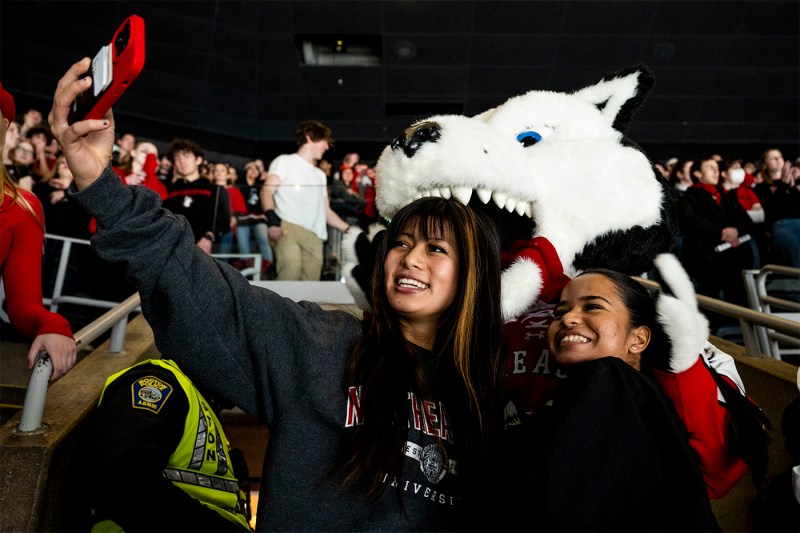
[201,310]
[707,406]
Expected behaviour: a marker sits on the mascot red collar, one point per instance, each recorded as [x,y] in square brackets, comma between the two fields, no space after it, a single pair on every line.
[556,173]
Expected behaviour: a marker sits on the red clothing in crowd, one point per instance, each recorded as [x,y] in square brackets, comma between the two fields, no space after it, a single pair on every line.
[747,197]
[151,180]
[238,205]
[21,246]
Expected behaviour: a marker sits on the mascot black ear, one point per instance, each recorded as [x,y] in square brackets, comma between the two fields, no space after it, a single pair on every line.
[619,95]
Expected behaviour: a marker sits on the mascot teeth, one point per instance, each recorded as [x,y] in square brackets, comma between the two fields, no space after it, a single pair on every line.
[484,195]
[500,199]
[463,194]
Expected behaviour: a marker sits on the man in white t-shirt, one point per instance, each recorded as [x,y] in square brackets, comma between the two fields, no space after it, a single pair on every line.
[295,201]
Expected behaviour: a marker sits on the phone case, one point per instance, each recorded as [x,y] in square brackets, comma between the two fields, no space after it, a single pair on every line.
[114,68]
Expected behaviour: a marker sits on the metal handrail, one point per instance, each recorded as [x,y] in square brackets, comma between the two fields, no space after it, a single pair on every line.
[116,319]
[789,329]
[707,303]
[59,298]
[755,282]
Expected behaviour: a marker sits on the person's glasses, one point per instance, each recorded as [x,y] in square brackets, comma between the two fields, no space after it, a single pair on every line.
[25,150]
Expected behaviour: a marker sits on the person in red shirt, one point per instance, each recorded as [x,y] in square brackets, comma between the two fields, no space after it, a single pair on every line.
[348,161]
[141,168]
[21,245]
[221,175]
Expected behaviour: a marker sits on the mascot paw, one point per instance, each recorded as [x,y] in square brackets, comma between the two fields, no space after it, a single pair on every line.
[521,284]
[685,326]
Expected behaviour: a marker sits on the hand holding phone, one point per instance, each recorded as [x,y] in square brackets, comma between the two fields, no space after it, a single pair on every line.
[114,67]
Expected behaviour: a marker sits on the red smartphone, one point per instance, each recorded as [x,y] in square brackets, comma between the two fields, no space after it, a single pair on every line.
[114,68]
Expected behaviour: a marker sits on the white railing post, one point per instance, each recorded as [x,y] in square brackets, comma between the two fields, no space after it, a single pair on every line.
[37,392]
[117,336]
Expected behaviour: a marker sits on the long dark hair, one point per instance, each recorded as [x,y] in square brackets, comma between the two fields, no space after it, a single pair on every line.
[748,429]
[467,353]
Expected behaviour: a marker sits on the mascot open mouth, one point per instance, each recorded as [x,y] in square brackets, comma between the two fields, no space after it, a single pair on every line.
[512,217]
[512,225]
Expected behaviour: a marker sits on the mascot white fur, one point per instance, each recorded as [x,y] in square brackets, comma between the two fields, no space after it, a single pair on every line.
[569,192]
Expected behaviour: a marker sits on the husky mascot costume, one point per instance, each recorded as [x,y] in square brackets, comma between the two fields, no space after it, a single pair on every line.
[569,192]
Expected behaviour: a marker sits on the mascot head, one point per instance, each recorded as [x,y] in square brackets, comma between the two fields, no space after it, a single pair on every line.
[544,165]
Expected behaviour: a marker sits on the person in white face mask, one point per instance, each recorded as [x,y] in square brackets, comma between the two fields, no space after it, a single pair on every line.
[735,179]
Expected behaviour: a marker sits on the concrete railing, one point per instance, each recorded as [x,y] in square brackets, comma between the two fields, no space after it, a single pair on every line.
[748,319]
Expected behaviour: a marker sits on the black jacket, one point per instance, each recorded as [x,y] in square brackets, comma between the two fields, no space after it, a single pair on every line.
[609,454]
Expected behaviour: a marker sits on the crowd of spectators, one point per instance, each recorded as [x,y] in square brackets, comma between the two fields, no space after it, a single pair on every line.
[733,215]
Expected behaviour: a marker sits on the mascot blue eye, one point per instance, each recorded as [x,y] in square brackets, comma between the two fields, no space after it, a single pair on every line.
[528,138]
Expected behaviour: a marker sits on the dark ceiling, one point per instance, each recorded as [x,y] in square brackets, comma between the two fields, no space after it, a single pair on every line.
[230,73]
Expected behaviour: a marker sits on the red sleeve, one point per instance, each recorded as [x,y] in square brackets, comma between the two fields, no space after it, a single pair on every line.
[238,205]
[369,197]
[747,198]
[694,395]
[22,275]
[151,180]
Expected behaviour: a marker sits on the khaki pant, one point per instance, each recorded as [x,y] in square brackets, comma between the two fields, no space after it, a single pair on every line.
[298,254]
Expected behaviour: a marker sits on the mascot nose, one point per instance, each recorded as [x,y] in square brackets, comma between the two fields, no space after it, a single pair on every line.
[414,137]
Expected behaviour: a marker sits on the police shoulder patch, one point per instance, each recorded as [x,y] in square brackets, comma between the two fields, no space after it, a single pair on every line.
[150,393]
